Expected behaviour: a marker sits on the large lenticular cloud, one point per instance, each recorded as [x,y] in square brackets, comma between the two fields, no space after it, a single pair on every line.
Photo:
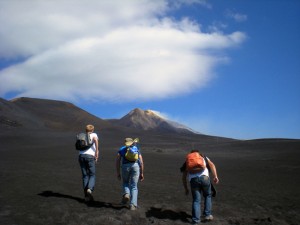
[104,51]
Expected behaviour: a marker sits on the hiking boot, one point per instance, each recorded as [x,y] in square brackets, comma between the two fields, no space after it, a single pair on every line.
[132,207]
[125,198]
[208,218]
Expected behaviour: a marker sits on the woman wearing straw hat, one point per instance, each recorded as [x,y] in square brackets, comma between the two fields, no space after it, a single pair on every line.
[130,160]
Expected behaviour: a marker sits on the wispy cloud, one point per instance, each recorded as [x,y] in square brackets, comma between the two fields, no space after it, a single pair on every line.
[238,17]
[179,3]
[104,50]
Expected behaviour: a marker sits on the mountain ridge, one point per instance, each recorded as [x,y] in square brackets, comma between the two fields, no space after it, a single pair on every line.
[35,113]
[26,114]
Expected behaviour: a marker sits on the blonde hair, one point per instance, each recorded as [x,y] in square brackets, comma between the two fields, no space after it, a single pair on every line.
[89,128]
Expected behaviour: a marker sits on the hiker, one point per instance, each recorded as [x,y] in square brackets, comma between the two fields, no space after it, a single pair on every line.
[196,169]
[130,160]
[87,160]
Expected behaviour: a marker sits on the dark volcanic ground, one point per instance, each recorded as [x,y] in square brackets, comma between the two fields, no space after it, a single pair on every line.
[41,181]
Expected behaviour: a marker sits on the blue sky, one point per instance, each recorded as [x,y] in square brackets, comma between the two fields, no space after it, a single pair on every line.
[226,68]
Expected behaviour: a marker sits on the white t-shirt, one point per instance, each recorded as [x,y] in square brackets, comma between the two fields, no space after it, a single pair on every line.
[205,172]
[92,149]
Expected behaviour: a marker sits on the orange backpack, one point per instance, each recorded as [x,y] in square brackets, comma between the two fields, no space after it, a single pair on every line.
[195,163]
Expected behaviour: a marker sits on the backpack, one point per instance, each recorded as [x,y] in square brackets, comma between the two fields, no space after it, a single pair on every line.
[195,162]
[83,141]
[132,153]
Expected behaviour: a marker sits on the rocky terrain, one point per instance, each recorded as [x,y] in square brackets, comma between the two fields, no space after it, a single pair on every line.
[41,179]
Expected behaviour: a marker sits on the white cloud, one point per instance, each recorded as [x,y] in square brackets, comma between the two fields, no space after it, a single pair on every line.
[104,50]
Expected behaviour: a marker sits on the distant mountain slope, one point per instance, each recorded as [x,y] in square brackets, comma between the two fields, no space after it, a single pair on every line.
[29,116]
[149,120]
[12,115]
[40,113]
[33,113]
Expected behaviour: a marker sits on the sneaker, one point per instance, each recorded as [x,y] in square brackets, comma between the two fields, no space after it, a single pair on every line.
[89,191]
[208,218]
[132,207]
[89,197]
[125,198]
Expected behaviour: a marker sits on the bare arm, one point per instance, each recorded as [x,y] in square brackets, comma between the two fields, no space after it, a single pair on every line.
[213,171]
[97,148]
[184,182]
[141,167]
[118,165]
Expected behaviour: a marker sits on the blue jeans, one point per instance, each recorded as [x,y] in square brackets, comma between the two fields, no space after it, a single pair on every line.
[201,186]
[130,175]
[88,169]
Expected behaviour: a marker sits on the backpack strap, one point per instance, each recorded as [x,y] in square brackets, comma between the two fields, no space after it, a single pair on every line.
[206,161]
[89,139]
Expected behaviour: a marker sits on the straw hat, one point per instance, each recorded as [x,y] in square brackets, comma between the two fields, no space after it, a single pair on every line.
[130,141]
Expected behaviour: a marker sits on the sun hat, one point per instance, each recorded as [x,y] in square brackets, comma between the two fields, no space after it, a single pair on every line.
[130,141]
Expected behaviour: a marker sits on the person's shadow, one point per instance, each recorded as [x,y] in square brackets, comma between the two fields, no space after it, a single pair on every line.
[97,204]
[159,213]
